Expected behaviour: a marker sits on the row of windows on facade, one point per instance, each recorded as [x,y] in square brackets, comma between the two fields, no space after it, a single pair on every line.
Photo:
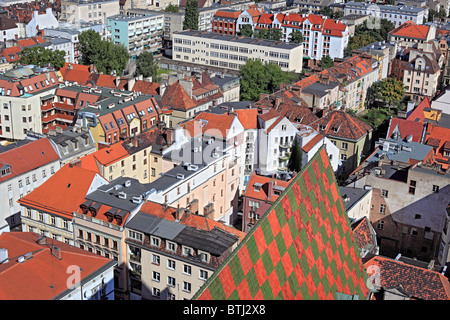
[48,234]
[169,246]
[226,47]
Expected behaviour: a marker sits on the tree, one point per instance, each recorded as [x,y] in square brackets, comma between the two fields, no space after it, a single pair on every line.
[246,31]
[326,62]
[41,56]
[146,66]
[257,78]
[295,160]
[326,11]
[191,15]
[106,56]
[392,91]
[369,32]
[172,8]
[358,41]
[269,34]
[296,37]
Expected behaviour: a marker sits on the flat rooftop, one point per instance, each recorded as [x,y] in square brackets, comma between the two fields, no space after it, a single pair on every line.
[238,39]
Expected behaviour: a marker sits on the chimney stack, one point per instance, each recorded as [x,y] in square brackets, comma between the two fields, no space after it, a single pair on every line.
[42,240]
[3,255]
[56,252]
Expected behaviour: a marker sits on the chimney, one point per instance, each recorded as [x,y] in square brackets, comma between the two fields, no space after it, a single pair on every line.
[270,189]
[130,84]
[169,136]
[3,255]
[117,81]
[187,86]
[42,240]
[179,213]
[56,252]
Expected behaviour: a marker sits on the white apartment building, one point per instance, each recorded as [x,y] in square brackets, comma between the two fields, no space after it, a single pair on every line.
[275,139]
[231,52]
[396,14]
[24,167]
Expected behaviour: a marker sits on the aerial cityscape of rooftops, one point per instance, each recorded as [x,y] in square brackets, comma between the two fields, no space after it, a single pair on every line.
[224,150]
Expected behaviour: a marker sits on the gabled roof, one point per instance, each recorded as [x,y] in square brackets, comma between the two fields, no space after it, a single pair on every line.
[411,30]
[416,282]
[28,157]
[44,276]
[406,128]
[62,193]
[301,248]
[176,97]
[229,14]
[217,125]
[146,87]
[417,113]
[257,187]
[340,124]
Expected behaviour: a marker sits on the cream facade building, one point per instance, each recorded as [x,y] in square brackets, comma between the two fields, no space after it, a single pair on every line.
[231,52]
[95,11]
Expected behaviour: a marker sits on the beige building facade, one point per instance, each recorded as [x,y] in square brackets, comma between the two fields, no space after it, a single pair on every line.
[231,52]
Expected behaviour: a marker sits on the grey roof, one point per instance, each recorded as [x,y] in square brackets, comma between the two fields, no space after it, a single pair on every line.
[385,8]
[238,39]
[353,195]
[109,194]
[215,241]
[222,80]
[156,226]
[188,156]
[227,106]
[124,18]
[400,150]
[320,89]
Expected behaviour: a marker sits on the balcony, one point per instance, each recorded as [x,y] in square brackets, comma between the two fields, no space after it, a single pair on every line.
[284,146]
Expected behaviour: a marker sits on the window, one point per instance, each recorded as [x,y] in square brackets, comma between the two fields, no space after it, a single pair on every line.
[380,225]
[187,269]
[186,286]
[156,276]
[382,208]
[155,259]
[343,156]
[156,292]
[155,242]
[203,275]
[171,281]
[170,264]
[384,193]
[187,251]
[412,187]
[135,235]
[170,246]
[344,145]
[435,189]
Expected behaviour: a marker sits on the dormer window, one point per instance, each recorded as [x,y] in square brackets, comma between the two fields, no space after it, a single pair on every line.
[155,241]
[171,246]
[6,171]
[204,256]
[187,251]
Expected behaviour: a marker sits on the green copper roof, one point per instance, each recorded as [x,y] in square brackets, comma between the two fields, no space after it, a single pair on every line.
[302,248]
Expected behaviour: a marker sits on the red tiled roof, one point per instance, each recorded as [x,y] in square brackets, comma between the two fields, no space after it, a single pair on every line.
[406,128]
[43,277]
[176,97]
[227,14]
[411,30]
[146,87]
[439,138]
[28,157]
[262,194]
[248,118]
[312,142]
[208,123]
[417,113]
[347,126]
[110,154]
[416,282]
[62,192]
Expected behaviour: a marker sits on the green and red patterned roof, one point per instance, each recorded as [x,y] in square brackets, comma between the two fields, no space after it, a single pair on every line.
[302,248]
